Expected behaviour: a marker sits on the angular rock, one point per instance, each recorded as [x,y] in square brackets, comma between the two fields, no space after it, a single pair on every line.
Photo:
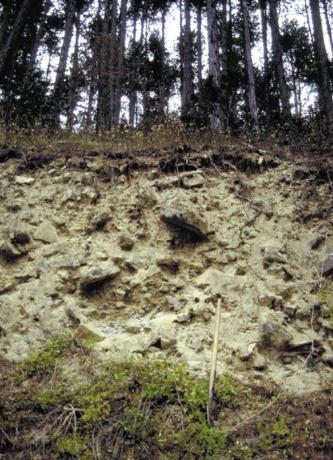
[326,267]
[20,236]
[316,242]
[259,363]
[217,281]
[46,233]
[24,180]
[134,262]
[195,181]
[97,276]
[126,243]
[164,342]
[9,251]
[302,343]
[272,254]
[300,173]
[168,263]
[246,351]
[274,335]
[327,358]
[185,219]
[99,220]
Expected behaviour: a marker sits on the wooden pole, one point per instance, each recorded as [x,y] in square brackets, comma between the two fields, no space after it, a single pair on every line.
[213,362]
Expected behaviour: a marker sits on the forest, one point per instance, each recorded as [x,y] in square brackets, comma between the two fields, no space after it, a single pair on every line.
[247,66]
[166,229]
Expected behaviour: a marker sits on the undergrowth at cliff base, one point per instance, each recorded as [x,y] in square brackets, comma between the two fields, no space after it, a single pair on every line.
[61,403]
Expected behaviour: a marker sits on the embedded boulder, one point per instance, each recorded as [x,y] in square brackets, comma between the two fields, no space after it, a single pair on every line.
[186,220]
[97,276]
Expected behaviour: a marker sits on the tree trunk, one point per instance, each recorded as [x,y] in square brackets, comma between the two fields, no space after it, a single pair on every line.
[39,35]
[213,62]
[161,87]
[69,25]
[308,20]
[132,91]
[249,67]
[328,25]
[103,108]
[120,62]
[5,18]
[199,46]
[263,15]
[73,91]
[113,59]
[278,61]
[187,65]
[63,60]
[324,90]
[8,49]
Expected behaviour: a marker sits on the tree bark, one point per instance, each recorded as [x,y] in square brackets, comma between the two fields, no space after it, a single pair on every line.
[5,18]
[199,46]
[213,62]
[324,90]
[161,87]
[39,35]
[120,62]
[308,20]
[249,68]
[278,61]
[263,16]
[63,61]
[73,91]
[8,49]
[328,25]
[187,65]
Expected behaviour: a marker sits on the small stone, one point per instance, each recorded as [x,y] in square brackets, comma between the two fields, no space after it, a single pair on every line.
[24,180]
[134,262]
[290,310]
[326,267]
[168,263]
[184,317]
[164,342]
[99,220]
[259,363]
[246,351]
[98,276]
[272,254]
[20,236]
[126,243]
[273,335]
[9,251]
[270,300]
[46,233]
[286,359]
[317,242]
[327,358]
[302,343]
[195,181]
[149,197]
[300,173]
[133,328]
[69,195]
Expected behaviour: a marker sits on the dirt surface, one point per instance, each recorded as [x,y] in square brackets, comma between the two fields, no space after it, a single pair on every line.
[132,254]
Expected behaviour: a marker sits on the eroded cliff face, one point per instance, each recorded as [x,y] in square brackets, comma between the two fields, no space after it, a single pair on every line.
[132,262]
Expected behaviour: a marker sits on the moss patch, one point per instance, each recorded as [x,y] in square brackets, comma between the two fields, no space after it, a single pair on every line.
[151,409]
